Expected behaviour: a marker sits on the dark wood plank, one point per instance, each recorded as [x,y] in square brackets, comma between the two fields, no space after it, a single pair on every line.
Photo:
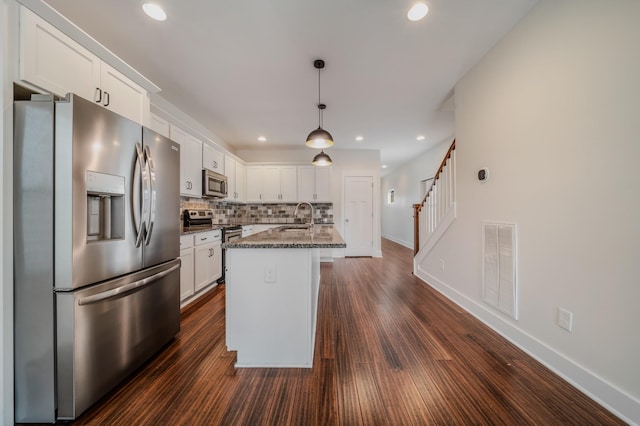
[389,350]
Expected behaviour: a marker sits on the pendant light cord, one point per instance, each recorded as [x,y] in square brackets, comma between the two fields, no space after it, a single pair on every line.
[319,109]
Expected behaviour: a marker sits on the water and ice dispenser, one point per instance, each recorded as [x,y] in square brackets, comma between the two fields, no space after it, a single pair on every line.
[105,206]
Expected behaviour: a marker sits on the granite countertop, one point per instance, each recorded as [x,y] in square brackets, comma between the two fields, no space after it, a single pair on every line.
[292,236]
[205,228]
[198,228]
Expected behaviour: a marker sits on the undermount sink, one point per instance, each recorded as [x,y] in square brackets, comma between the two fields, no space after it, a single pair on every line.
[295,228]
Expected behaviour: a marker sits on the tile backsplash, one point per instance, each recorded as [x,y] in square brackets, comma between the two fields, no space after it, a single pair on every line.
[224,212]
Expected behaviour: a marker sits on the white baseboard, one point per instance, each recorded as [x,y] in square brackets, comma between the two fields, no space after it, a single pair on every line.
[407,244]
[619,403]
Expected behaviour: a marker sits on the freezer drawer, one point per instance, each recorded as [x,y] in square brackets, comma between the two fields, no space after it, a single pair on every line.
[108,330]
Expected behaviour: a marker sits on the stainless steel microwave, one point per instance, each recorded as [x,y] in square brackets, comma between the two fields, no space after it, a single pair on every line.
[214,185]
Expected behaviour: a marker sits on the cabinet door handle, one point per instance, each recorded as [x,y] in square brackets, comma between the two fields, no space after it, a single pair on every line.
[215,164]
[98,96]
[106,99]
[203,239]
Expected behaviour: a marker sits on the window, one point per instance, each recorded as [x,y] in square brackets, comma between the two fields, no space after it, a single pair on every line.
[391,196]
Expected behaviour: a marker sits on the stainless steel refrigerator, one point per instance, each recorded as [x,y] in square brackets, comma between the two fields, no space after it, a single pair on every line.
[96,246]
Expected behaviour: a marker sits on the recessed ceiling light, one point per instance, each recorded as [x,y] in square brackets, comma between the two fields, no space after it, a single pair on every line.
[384,166]
[359,138]
[262,139]
[154,11]
[420,138]
[417,12]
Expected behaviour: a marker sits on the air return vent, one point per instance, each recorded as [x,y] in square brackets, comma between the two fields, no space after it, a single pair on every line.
[499,271]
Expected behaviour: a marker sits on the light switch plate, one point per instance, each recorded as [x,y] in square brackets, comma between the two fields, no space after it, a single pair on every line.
[565,319]
[270,274]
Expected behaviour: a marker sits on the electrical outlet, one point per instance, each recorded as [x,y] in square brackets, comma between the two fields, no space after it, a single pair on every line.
[442,264]
[565,319]
[270,274]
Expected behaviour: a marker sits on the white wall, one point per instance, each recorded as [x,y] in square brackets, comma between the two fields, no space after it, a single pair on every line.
[345,163]
[405,180]
[553,111]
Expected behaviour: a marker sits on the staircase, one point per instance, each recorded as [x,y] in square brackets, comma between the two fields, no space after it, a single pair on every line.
[437,211]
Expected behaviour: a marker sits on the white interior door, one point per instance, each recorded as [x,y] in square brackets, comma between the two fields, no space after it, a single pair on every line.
[358,218]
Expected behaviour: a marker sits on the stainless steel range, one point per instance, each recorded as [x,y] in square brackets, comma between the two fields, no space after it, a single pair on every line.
[229,233]
[194,219]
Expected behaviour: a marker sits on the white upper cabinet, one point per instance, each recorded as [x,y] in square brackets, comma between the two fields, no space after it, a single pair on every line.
[288,184]
[159,125]
[57,64]
[272,184]
[190,162]
[314,184]
[121,95]
[235,172]
[212,159]
[306,183]
[241,179]
[254,184]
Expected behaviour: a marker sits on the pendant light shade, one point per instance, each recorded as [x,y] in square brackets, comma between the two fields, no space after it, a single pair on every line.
[322,159]
[319,138]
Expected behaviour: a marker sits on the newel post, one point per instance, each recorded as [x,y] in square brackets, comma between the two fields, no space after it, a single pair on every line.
[416,228]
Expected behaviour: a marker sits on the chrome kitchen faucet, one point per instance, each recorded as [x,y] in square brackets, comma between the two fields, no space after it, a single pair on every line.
[295,212]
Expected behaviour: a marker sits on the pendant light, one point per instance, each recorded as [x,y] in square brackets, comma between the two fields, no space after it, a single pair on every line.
[319,138]
[322,159]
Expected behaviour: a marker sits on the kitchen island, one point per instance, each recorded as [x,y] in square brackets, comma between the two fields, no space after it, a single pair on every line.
[272,284]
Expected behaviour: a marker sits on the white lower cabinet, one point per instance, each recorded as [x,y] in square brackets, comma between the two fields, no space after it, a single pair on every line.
[208,258]
[201,257]
[186,267]
[208,264]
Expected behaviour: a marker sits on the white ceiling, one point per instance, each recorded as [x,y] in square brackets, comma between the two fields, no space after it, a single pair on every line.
[245,68]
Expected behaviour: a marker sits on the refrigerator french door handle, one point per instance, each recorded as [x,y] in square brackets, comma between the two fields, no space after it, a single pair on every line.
[152,193]
[139,212]
[125,288]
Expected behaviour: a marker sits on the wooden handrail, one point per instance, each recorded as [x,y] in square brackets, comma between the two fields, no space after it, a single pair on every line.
[418,207]
[437,175]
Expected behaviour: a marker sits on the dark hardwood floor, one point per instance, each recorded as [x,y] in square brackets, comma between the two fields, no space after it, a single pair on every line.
[389,350]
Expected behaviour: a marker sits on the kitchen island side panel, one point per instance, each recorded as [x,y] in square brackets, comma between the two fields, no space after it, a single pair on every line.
[271,306]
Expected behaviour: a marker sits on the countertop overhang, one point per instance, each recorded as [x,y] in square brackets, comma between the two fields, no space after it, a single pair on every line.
[291,236]
[185,230]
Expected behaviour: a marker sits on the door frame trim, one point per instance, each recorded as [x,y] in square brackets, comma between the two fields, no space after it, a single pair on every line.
[375,202]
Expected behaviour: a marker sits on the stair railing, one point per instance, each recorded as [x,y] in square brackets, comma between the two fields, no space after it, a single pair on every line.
[435,205]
